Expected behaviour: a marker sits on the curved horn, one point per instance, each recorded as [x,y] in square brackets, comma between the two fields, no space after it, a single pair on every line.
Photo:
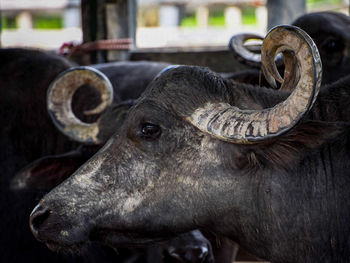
[59,100]
[229,123]
[242,53]
[246,56]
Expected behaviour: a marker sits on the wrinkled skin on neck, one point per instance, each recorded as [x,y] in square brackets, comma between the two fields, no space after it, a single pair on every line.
[283,200]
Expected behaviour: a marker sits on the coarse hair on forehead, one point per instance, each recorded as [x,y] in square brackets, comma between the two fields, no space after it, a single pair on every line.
[188,87]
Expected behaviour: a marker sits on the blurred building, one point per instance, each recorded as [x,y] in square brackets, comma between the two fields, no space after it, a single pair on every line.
[40,14]
[203,12]
[161,23]
[164,23]
[40,23]
[43,14]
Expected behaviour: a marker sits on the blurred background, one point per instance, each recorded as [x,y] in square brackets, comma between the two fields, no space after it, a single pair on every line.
[159,23]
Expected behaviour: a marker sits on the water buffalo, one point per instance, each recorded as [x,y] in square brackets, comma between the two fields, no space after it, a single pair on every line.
[49,171]
[24,77]
[268,169]
[329,32]
[27,133]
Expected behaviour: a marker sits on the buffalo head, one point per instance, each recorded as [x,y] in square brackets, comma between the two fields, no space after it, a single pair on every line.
[196,151]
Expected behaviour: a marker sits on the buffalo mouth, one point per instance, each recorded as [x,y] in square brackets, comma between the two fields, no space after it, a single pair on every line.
[64,248]
[119,238]
[110,237]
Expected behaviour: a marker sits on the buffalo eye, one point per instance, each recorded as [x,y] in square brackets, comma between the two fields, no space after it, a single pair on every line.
[332,45]
[150,131]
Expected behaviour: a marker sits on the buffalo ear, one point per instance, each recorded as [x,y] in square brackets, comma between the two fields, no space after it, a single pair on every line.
[288,149]
[47,172]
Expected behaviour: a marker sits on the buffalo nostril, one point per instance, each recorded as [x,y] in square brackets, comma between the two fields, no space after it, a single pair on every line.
[189,254]
[37,218]
[197,254]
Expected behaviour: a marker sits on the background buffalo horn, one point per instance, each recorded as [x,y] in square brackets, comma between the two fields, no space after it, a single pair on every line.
[242,52]
[232,124]
[59,102]
[251,57]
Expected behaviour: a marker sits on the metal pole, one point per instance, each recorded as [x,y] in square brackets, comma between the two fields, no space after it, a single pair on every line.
[121,22]
[0,26]
[132,14]
[284,12]
[93,19]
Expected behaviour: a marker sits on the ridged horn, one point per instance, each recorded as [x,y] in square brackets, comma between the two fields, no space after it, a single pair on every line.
[242,52]
[232,124]
[59,102]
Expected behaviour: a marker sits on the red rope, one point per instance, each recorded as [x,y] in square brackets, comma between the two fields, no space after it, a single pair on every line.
[69,48]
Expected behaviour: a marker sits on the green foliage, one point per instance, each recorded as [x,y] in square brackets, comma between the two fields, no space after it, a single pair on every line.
[47,22]
[320,2]
[8,22]
[189,21]
[217,18]
[248,16]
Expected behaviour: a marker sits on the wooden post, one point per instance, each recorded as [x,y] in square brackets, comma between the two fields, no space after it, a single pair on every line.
[25,20]
[0,26]
[261,16]
[202,14]
[284,12]
[233,18]
[71,14]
